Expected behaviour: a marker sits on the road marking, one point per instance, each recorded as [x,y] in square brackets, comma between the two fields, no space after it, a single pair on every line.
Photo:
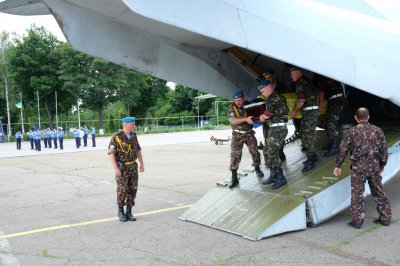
[40,230]
[6,254]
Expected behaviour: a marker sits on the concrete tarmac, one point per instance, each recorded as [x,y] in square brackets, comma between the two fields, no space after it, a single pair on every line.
[59,208]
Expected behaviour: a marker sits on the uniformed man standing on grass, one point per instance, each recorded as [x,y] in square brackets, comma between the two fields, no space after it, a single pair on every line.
[275,116]
[123,151]
[243,133]
[306,99]
[368,156]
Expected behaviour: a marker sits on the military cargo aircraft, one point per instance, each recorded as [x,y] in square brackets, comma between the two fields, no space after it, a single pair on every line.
[218,46]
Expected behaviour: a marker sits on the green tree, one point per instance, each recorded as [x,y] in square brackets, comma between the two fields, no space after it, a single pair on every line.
[34,63]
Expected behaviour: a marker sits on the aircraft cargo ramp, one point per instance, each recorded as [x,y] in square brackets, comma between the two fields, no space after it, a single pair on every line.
[255,211]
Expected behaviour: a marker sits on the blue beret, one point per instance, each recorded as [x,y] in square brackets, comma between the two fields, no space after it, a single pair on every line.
[264,84]
[128,119]
[238,94]
[293,68]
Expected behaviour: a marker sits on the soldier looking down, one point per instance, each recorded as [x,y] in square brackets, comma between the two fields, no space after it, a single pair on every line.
[275,116]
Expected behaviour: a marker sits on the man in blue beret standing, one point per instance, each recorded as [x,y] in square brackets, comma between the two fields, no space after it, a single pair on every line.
[124,150]
[275,116]
[242,133]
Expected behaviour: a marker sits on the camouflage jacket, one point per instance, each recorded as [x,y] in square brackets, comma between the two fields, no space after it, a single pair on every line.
[365,141]
[276,108]
[306,92]
[329,86]
[125,149]
[238,112]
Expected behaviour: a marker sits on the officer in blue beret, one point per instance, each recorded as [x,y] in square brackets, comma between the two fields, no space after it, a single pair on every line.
[242,133]
[124,149]
[275,116]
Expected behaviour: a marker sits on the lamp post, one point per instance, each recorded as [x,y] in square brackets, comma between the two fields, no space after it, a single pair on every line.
[217,110]
[205,96]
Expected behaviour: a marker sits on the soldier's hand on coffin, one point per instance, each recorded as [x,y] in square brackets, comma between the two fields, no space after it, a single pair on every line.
[249,120]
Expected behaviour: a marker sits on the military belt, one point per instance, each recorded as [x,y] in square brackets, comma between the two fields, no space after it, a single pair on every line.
[277,125]
[310,108]
[129,163]
[241,131]
[336,96]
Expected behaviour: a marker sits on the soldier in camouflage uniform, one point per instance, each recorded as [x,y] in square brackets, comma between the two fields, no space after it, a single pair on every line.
[332,91]
[123,151]
[269,75]
[306,99]
[275,116]
[242,133]
[368,156]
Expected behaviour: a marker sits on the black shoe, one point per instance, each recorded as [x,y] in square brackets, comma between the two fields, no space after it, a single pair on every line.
[331,152]
[279,183]
[308,167]
[271,179]
[379,221]
[121,214]
[356,226]
[129,215]
[281,180]
[234,182]
[311,158]
[259,173]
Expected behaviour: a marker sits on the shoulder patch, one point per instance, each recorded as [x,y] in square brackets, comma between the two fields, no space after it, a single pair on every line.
[231,114]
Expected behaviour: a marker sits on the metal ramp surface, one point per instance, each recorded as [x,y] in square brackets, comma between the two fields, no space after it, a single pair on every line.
[255,211]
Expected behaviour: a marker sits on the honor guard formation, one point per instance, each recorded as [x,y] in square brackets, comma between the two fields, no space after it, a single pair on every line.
[54,138]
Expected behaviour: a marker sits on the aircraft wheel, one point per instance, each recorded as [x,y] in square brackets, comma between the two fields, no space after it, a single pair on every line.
[216,143]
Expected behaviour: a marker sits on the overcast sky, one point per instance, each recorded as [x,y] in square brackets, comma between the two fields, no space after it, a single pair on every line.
[19,24]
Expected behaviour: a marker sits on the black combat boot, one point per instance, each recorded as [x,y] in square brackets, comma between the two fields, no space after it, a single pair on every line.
[271,179]
[314,158]
[281,180]
[259,173]
[121,214]
[129,214]
[282,155]
[235,181]
[310,163]
[333,149]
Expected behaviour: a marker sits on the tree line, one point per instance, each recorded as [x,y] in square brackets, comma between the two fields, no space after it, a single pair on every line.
[38,67]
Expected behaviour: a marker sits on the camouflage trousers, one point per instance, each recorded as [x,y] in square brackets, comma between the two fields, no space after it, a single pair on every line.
[368,170]
[274,142]
[127,185]
[308,130]
[335,107]
[238,140]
